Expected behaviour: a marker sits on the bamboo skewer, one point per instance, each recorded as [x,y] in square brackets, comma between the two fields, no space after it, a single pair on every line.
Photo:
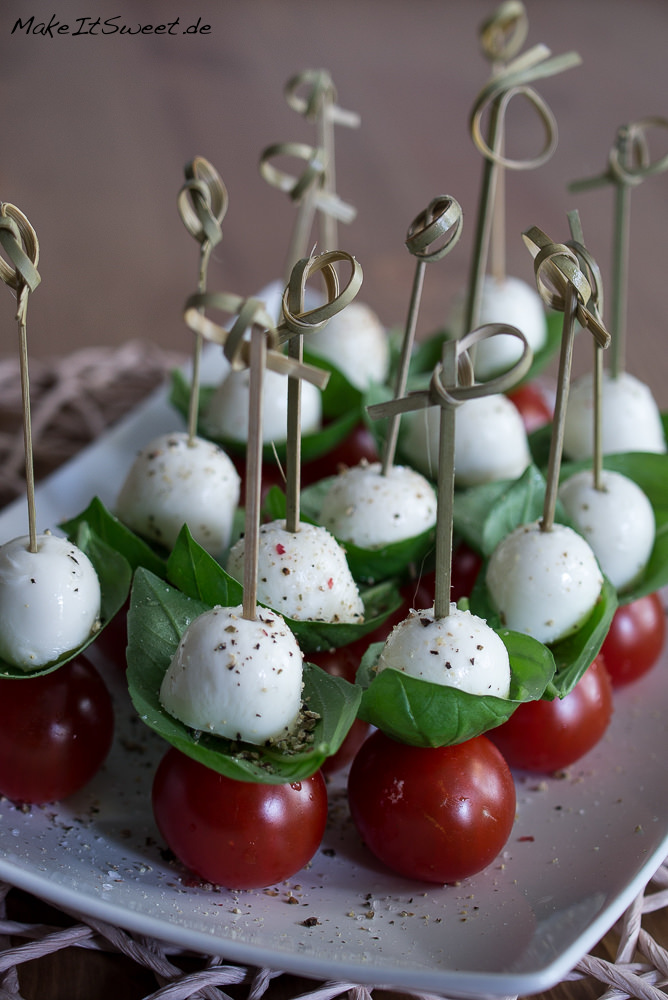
[202,204]
[562,286]
[452,383]
[319,105]
[629,164]
[515,78]
[19,241]
[596,308]
[439,226]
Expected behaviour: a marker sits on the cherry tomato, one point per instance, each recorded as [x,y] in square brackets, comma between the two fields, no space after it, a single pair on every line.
[435,814]
[533,406]
[360,445]
[238,834]
[545,736]
[635,640]
[55,732]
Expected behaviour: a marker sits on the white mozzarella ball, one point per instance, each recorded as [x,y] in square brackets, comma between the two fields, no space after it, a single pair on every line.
[630,418]
[617,521]
[356,342]
[490,441]
[226,415]
[369,509]
[235,677]
[173,482]
[543,583]
[509,300]
[460,650]
[303,574]
[49,600]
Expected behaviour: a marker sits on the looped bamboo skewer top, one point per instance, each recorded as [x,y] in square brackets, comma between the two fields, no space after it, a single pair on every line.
[19,241]
[513,79]
[308,190]
[202,203]
[248,312]
[503,34]
[431,235]
[318,104]
[562,285]
[298,320]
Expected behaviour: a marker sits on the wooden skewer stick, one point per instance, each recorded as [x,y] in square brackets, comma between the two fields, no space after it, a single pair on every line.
[319,105]
[451,383]
[629,164]
[587,262]
[19,241]
[438,227]
[258,354]
[202,203]
[501,37]
[258,364]
[306,191]
[514,79]
[562,286]
[297,321]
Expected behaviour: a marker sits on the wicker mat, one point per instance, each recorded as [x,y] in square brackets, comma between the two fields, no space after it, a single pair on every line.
[74,399]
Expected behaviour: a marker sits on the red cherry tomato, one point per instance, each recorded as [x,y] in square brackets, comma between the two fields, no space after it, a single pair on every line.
[533,406]
[55,732]
[360,445]
[635,640]
[237,834]
[434,814]
[545,736]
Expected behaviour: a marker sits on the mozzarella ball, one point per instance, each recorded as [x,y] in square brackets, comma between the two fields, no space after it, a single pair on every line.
[630,418]
[617,521]
[173,482]
[460,650]
[226,416]
[543,583]
[511,301]
[369,509]
[490,441]
[355,341]
[236,678]
[49,600]
[304,574]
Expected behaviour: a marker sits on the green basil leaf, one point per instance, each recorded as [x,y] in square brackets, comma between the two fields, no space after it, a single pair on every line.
[198,575]
[484,515]
[655,573]
[114,574]
[158,616]
[421,713]
[134,549]
[576,653]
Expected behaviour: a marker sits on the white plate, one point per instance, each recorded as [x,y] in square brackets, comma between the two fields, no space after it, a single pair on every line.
[582,846]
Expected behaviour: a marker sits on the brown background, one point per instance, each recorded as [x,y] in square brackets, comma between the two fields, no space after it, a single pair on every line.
[96,131]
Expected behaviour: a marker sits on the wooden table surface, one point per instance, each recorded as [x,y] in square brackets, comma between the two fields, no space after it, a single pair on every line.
[97,128]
